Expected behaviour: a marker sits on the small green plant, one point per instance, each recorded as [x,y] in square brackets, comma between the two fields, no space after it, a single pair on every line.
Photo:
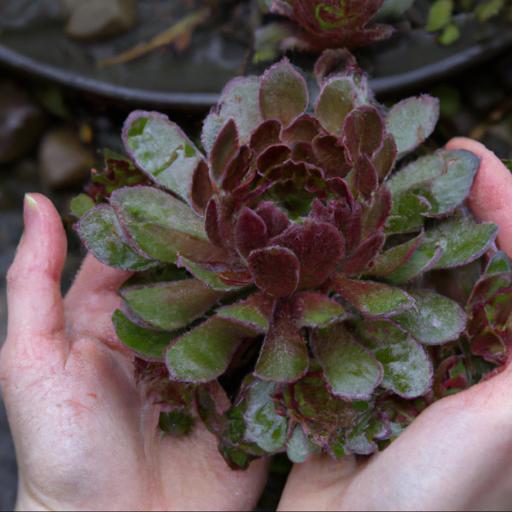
[291,261]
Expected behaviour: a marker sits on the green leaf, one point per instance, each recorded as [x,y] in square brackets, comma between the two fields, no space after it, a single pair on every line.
[253,312]
[351,371]
[440,15]
[299,447]
[283,93]
[434,320]
[264,426]
[161,150]
[147,343]
[461,240]
[407,368]
[449,35]
[80,205]
[337,98]
[318,310]
[393,9]
[176,423]
[372,298]
[488,9]
[204,353]
[161,225]
[412,121]
[499,263]
[170,306]
[101,233]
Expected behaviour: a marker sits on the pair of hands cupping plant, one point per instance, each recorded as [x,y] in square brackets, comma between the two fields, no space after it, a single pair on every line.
[290,255]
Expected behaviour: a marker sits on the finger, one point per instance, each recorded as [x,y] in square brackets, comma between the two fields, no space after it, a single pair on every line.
[491,195]
[33,281]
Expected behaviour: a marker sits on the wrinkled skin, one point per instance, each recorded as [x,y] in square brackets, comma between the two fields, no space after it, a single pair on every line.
[85,438]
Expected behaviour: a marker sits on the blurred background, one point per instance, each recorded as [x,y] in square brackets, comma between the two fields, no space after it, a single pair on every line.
[71,70]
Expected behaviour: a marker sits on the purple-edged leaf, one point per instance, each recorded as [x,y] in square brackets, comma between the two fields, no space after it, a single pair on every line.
[224,148]
[237,169]
[162,151]
[461,240]
[299,448]
[170,306]
[204,353]
[317,310]
[101,233]
[411,122]
[161,225]
[273,156]
[351,371]
[275,219]
[409,211]
[393,259]
[372,298]
[375,216]
[359,260]
[490,347]
[331,156]
[363,132]
[146,343]
[303,129]
[283,93]
[365,177]
[253,312]
[212,223]
[337,98]
[212,125]
[250,232]
[339,61]
[407,367]
[318,246]
[385,157]
[498,264]
[284,354]
[201,190]
[435,319]
[267,134]
[275,269]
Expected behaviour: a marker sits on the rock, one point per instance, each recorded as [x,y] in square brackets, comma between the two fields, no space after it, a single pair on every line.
[63,160]
[98,19]
[21,123]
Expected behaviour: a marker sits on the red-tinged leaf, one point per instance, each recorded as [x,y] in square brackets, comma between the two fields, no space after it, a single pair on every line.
[303,152]
[237,169]
[283,93]
[303,129]
[211,224]
[317,310]
[275,219]
[363,132]
[250,232]
[225,147]
[490,347]
[366,179]
[284,354]
[276,270]
[412,121]
[488,285]
[331,156]
[267,134]
[340,188]
[361,258]
[272,157]
[376,215]
[337,61]
[254,312]
[318,246]
[201,188]
[236,277]
[336,100]
[385,157]
[371,298]
[351,371]
[170,306]
[204,353]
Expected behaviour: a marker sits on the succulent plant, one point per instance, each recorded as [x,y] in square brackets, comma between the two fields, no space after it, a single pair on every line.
[290,263]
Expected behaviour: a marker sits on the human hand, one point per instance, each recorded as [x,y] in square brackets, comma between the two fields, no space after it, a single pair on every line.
[85,436]
[457,454]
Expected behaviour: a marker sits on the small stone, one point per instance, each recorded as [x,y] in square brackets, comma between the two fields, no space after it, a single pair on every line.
[98,19]
[63,160]
[21,123]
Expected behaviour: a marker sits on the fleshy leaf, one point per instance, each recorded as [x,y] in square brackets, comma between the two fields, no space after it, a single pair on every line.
[161,150]
[170,306]
[299,447]
[435,319]
[407,368]
[284,354]
[363,132]
[147,343]
[160,225]
[283,93]
[253,312]
[351,371]
[318,310]
[80,205]
[412,121]
[499,263]
[101,233]
[336,100]
[275,270]
[264,426]
[250,232]
[204,353]
[384,158]
[372,298]
[225,147]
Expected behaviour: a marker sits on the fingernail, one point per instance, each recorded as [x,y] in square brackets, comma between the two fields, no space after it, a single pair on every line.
[30,210]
